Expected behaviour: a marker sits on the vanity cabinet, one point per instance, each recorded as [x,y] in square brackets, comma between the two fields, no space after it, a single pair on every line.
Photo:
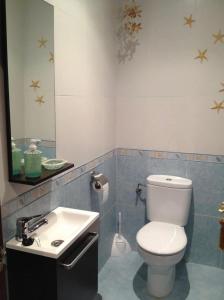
[72,276]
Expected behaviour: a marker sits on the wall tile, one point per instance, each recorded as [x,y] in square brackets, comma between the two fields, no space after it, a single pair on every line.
[204,241]
[125,169]
[208,186]
[176,167]
[133,219]
[208,192]
[107,231]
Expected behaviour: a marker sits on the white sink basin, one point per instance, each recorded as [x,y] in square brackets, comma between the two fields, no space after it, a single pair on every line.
[65,224]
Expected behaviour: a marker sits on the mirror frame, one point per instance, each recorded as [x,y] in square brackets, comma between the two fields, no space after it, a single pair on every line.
[46,174]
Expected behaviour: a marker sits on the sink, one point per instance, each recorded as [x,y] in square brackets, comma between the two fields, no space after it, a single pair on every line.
[64,225]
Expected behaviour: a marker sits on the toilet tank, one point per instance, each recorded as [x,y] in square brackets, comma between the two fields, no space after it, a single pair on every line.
[168,199]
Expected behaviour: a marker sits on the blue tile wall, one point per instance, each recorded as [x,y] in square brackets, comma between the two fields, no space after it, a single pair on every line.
[125,168]
[207,174]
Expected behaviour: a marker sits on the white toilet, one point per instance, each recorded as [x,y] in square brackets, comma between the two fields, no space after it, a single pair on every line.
[162,242]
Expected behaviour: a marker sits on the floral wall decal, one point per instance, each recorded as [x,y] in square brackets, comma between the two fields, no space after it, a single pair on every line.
[133,27]
[219,37]
[222,90]
[132,12]
[202,55]
[189,21]
[51,57]
[40,99]
[35,84]
[218,106]
[42,42]
[129,27]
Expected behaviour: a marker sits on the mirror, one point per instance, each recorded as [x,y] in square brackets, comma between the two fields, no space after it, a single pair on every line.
[30,80]
[30,44]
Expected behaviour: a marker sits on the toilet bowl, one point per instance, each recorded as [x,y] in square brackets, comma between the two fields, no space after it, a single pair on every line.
[162,242]
[162,246]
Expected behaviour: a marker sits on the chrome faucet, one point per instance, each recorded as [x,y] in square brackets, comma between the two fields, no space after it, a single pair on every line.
[26,225]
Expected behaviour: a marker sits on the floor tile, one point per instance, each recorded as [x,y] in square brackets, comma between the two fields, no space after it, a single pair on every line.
[125,277]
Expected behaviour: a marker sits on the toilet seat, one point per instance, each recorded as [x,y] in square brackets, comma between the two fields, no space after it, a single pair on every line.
[162,238]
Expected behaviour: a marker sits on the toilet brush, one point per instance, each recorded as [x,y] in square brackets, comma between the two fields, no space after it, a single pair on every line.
[120,245]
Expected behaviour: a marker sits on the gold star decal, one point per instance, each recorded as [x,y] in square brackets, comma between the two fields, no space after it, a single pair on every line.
[201,55]
[218,106]
[35,84]
[189,21]
[51,58]
[42,43]
[40,100]
[222,90]
[219,37]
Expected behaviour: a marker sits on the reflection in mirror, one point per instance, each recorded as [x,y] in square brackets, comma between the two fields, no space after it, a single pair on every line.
[30,38]
[30,50]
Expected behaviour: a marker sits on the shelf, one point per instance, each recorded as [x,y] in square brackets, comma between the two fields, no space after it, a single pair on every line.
[45,175]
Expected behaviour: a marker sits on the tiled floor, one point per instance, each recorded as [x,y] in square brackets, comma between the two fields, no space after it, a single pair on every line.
[124,278]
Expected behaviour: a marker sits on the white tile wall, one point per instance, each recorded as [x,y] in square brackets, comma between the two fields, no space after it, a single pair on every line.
[167,123]
[85,127]
[85,75]
[164,95]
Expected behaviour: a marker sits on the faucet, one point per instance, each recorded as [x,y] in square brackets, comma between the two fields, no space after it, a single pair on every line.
[26,225]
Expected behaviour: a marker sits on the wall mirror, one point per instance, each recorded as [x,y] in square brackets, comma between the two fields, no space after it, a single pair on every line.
[29,78]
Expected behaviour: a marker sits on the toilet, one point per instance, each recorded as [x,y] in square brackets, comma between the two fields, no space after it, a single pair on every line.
[162,241]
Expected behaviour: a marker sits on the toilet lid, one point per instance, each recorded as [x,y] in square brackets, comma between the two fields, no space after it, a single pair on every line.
[162,238]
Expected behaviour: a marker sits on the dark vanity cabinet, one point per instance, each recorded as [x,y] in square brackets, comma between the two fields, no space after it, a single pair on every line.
[72,276]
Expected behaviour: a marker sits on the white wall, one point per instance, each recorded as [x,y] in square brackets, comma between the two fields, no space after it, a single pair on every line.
[85,74]
[164,95]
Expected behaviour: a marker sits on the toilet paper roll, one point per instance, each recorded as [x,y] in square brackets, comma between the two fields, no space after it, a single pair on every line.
[103,192]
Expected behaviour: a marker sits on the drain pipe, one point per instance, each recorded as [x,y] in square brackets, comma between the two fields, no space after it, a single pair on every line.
[139,193]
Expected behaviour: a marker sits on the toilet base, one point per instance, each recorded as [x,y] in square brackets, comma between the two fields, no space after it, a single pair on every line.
[160,280]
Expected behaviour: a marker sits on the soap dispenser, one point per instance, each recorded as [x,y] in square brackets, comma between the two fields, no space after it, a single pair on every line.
[32,159]
[16,159]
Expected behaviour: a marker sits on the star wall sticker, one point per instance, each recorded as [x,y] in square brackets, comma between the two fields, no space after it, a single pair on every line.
[202,55]
[218,106]
[222,90]
[189,21]
[51,58]
[35,84]
[42,43]
[40,99]
[219,37]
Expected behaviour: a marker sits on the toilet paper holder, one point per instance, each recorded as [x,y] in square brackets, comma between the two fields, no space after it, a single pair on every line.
[98,180]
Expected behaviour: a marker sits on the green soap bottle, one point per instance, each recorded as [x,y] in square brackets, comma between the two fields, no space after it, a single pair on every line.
[16,160]
[32,162]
